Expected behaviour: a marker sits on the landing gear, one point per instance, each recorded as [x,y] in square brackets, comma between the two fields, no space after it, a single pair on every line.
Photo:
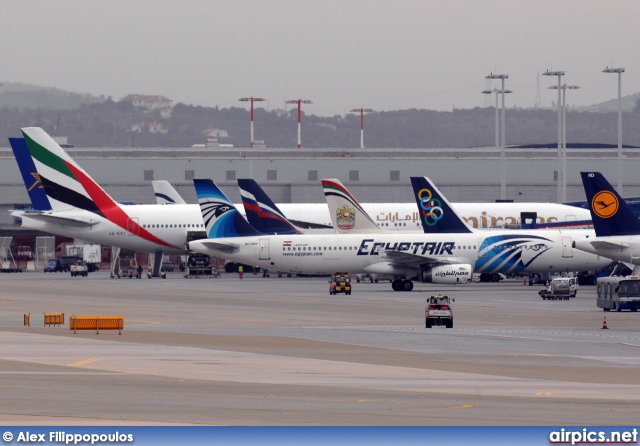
[402,285]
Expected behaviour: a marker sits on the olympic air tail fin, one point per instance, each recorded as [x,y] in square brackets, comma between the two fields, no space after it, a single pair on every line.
[611,215]
[436,214]
[32,182]
[221,218]
[262,212]
[347,216]
[165,193]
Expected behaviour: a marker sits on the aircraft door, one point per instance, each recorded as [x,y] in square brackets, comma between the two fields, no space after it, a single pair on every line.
[567,250]
[132,225]
[263,244]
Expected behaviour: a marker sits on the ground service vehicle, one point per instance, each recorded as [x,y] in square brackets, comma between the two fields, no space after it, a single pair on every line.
[560,288]
[619,293]
[438,312]
[340,283]
[53,266]
[79,269]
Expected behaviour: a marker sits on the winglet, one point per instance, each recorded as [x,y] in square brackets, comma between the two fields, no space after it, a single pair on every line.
[221,218]
[436,214]
[610,214]
[32,180]
[262,212]
[346,213]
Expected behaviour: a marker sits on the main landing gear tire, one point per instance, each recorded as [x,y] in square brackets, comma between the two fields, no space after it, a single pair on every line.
[402,285]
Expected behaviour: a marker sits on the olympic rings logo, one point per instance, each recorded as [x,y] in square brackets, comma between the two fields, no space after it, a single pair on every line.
[431,207]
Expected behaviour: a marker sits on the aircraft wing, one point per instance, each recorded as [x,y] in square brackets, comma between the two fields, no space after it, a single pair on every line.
[417,261]
[227,248]
[58,219]
[607,245]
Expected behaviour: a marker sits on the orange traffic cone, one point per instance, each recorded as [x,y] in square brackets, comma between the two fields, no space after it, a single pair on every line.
[604,323]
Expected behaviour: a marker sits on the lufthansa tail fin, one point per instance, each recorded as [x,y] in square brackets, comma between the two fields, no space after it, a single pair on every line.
[221,218]
[262,212]
[346,213]
[32,182]
[611,215]
[436,214]
[165,193]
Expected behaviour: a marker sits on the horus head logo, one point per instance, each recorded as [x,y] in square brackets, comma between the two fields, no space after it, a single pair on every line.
[345,218]
[605,204]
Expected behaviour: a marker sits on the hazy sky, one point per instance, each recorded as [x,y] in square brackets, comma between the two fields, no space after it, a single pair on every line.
[341,54]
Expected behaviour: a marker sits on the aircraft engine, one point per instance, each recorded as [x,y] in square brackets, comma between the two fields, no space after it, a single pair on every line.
[459,273]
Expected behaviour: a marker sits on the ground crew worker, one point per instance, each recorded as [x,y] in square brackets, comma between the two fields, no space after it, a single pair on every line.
[240,271]
[139,271]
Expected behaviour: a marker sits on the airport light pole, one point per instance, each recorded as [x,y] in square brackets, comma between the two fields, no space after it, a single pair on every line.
[563,182]
[299,102]
[362,112]
[559,74]
[619,71]
[503,169]
[252,100]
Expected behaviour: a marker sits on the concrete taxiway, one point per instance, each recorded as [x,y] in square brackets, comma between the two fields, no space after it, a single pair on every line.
[282,351]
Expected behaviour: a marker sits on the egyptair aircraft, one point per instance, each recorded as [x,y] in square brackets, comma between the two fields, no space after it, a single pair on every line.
[440,257]
[616,226]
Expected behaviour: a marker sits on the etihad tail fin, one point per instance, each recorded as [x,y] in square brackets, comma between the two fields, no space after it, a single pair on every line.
[611,215]
[262,212]
[165,193]
[221,218]
[436,214]
[32,182]
[346,213]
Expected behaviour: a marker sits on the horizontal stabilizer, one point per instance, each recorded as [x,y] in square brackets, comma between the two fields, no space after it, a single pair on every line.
[226,248]
[57,219]
[601,244]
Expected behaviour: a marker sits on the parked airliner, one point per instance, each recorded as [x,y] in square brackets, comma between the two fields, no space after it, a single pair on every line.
[441,257]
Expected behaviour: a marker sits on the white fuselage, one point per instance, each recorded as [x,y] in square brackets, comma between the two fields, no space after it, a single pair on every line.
[170,223]
[486,251]
[623,248]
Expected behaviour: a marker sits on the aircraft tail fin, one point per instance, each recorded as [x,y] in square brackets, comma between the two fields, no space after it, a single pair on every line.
[32,182]
[346,213]
[165,193]
[436,214]
[66,184]
[221,218]
[611,215]
[262,212]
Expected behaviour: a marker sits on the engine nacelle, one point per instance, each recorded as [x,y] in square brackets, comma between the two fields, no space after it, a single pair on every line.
[460,273]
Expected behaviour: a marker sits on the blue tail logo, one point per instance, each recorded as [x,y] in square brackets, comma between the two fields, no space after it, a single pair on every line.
[30,176]
[436,214]
[262,212]
[220,216]
[611,214]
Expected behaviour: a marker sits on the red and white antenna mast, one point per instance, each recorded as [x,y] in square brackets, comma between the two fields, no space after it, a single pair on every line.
[252,99]
[362,112]
[299,102]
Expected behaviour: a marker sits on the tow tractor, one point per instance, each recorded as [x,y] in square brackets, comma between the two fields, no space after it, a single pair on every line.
[560,288]
[438,312]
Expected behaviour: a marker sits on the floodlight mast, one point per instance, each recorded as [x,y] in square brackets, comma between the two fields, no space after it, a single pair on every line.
[252,100]
[619,71]
[362,112]
[299,102]
[559,74]
[564,88]
[503,168]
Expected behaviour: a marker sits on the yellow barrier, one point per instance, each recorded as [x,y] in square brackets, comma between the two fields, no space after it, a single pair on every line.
[53,319]
[27,317]
[96,323]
